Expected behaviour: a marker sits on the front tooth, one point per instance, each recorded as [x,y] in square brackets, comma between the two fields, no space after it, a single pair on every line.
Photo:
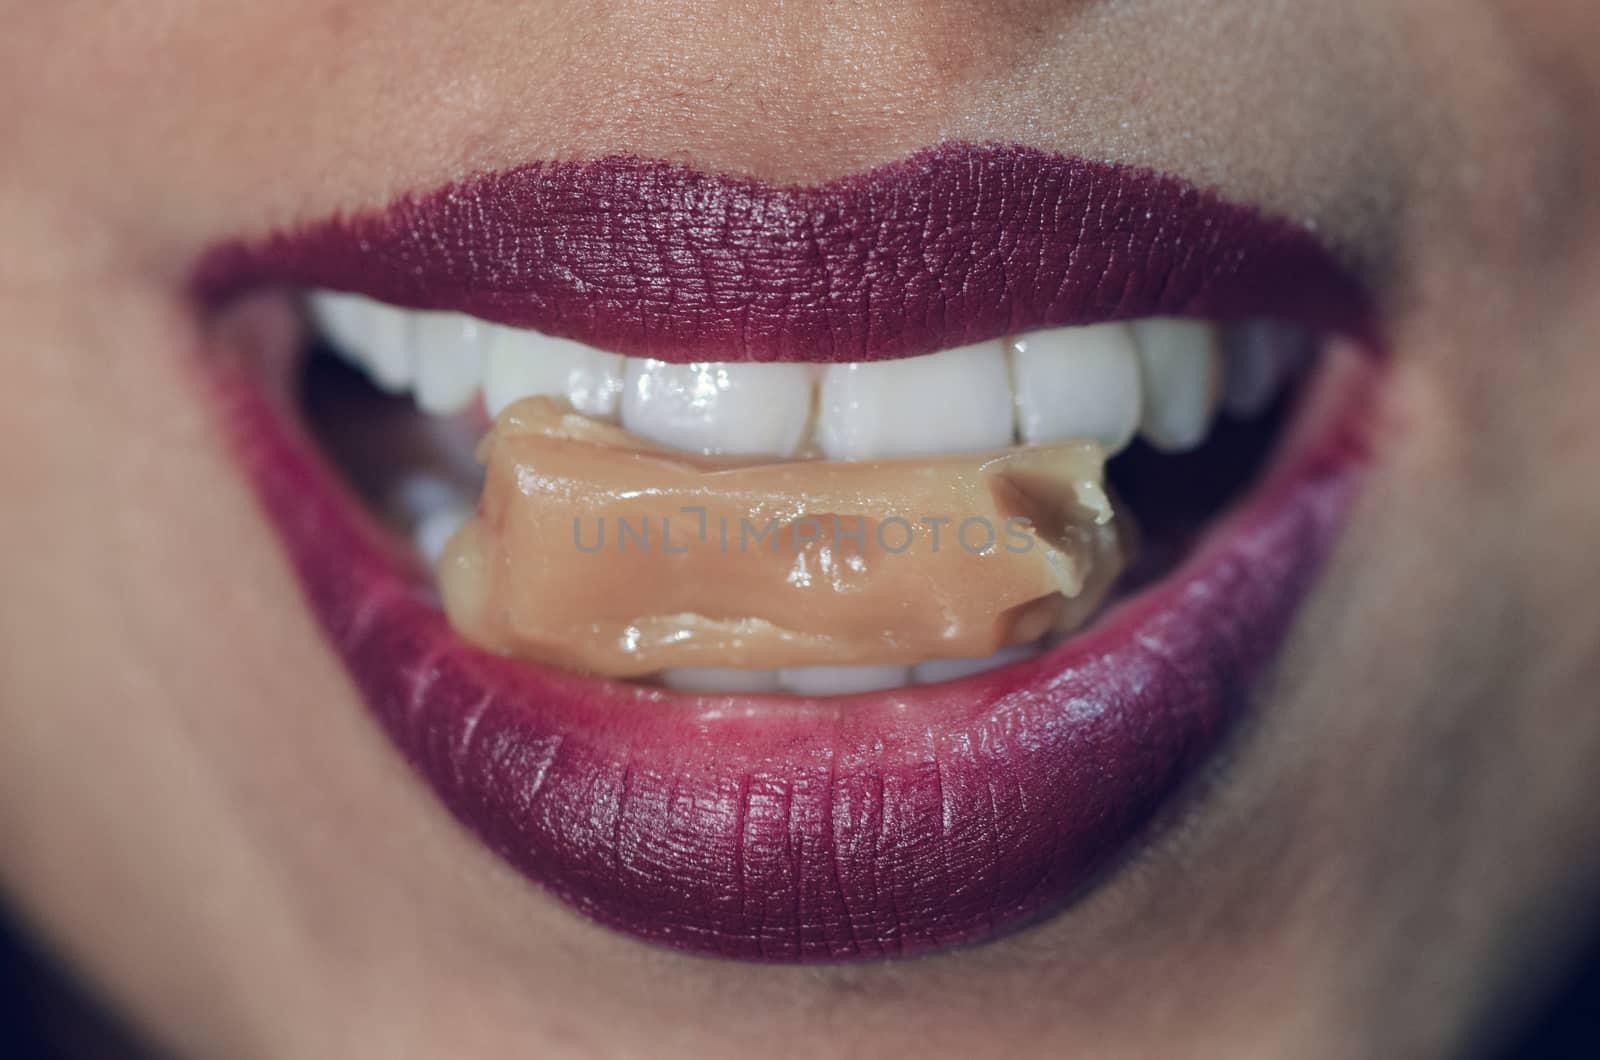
[448,348]
[1179,364]
[732,409]
[952,402]
[1078,383]
[842,680]
[527,364]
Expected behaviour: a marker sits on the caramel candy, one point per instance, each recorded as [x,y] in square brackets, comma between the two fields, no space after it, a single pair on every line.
[595,550]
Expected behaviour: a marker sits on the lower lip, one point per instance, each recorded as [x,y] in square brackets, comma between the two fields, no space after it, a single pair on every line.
[800,829]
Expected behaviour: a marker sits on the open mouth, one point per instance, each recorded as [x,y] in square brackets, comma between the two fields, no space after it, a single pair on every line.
[804,573]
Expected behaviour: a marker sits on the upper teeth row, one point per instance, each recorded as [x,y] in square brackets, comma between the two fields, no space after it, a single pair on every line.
[1161,378]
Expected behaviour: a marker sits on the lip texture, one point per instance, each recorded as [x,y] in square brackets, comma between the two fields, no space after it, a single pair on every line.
[956,244]
[793,829]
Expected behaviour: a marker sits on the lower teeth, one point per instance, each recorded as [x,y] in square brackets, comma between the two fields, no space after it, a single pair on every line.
[841,680]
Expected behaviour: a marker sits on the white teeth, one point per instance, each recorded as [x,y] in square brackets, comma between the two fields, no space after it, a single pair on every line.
[733,409]
[1250,371]
[342,320]
[1179,364]
[369,333]
[842,680]
[448,349]
[839,680]
[1162,379]
[388,352]
[420,495]
[525,364]
[951,402]
[1078,383]
[435,530]
[709,679]
[1259,357]
[432,508]
[935,671]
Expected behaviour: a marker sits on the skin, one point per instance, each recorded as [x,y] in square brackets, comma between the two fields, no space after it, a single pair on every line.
[198,816]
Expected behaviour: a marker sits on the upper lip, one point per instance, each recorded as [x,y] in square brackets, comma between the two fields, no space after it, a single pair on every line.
[801,829]
[956,244]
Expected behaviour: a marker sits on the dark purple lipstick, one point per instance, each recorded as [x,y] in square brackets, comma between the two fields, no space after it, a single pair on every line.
[956,244]
[802,829]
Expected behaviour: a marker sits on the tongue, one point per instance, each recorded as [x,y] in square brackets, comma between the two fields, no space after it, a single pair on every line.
[595,550]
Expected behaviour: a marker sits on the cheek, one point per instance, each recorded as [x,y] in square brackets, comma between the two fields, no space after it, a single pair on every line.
[1494,307]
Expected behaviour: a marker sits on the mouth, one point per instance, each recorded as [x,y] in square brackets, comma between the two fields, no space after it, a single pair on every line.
[822,747]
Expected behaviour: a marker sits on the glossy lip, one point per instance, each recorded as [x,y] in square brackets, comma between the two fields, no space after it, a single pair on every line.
[800,829]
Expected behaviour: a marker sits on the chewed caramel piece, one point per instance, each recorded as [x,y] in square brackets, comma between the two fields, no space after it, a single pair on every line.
[596,550]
